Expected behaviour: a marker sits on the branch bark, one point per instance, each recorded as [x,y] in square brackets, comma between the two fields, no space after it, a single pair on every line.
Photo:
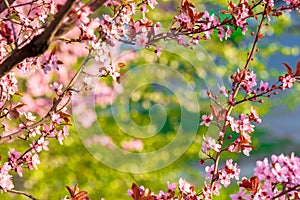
[3,5]
[22,193]
[39,44]
[94,5]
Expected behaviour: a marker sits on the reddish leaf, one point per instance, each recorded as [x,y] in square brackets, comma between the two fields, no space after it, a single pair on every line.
[14,113]
[288,68]
[297,73]
[261,35]
[59,62]
[250,185]
[136,191]
[213,110]
[82,195]
[121,65]
[65,116]
[199,15]
[70,190]
[19,106]
[183,2]
[224,12]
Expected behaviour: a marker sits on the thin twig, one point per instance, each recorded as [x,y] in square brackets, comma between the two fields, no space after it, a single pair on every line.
[39,44]
[286,191]
[22,193]
[216,167]
[17,134]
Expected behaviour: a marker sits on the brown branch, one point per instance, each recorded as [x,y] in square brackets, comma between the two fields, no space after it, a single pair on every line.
[287,191]
[39,44]
[249,58]
[22,193]
[67,26]
[3,5]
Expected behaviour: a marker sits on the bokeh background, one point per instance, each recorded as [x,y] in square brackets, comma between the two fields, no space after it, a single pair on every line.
[72,163]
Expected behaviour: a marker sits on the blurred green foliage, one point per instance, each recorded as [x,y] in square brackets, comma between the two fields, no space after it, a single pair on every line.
[209,63]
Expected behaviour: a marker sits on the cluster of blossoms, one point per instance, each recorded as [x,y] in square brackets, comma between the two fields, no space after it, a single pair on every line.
[186,191]
[225,175]
[240,13]
[278,179]
[8,85]
[191,21]
[30,159]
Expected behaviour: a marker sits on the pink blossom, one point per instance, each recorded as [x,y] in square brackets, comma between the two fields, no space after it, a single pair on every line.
[240,195]
[57,88]
[62,134]
[8,85]
[101,140]
[5,178]
[42,144]
[223,90]
[186,188]
[4,125]
[55,118]
[288,81]
[171,186]
[209,171]
[30,117]
[133,145]
[206,120]
[270,2]
[152,3]
[210,144]
[35,161]
[157,51]
[229,172]
[254,116]
[291,2]
[112,3]
[263,86]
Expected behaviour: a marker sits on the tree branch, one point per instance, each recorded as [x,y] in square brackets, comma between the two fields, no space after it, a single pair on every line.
[94,5]
[3,5]
[39,44]
[22,193]
[17,134]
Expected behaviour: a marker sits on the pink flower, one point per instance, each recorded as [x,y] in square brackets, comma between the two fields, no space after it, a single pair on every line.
[5,178]
[8,84]
[30,117]
[263,86]
[240,195]
[55,118]
[186,188]
[133,145]
[209,143]
[157,51]
[152,3]
[35,161]
[229,172]
[223,90]
[254,116]
[171,186]
[42,144]
[13,157]
[288,81]
[57,88]
[206,120]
